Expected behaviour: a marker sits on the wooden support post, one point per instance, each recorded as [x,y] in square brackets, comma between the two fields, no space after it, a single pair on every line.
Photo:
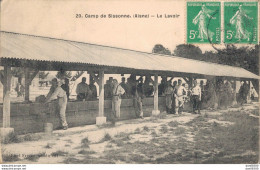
[6,103]
[101,119]
[234,86]
[156,111]
[27,84]
[248,94]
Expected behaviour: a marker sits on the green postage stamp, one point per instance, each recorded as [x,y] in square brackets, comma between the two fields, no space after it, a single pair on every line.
[203,22]
[241,22]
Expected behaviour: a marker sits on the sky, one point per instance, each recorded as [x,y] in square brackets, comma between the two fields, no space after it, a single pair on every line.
[57,19]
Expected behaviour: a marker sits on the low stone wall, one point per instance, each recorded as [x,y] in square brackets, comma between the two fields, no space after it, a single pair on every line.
[29,118]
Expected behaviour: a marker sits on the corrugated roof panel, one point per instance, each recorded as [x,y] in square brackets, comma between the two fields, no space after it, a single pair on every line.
[48,49]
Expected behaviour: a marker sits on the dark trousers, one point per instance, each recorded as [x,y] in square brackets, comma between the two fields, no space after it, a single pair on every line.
[81,96]
[138,106]
[196,103]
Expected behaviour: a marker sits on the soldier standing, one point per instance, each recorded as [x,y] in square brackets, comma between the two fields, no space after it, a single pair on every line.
[179,94]
[196,97]
[118,91]
[83,90]
[60,93]
[168,97]
[138,93]
[93,89]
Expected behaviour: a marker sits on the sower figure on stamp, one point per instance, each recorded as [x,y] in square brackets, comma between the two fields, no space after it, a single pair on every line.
[196,97]
[168,97]
[179,94]
[201,19]
[60,93]
[138,93]
[239,19]
[118,91]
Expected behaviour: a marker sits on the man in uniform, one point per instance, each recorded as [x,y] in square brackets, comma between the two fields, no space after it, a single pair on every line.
[168,97]
[83,90]
[118,91]
[162,86]
[138,93]
[108,88]
[54,85]
[93,89]
[196,97]
[123,84]
[179,94]
[148,86]
[60,93]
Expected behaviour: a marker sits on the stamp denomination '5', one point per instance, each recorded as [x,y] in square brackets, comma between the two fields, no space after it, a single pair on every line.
[203,22]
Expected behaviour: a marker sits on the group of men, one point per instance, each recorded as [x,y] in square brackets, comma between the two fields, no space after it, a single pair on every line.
[148,89]
[132,89]
[176,94]
[85,91]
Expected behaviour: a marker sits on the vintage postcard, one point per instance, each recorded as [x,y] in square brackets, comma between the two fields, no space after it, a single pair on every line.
[129,82]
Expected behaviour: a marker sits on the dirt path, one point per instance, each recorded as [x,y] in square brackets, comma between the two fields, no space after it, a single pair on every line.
[186,138]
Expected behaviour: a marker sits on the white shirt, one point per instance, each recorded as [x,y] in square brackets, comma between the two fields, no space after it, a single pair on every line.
[196,90]
[179,90]
[119,90]
[59,92]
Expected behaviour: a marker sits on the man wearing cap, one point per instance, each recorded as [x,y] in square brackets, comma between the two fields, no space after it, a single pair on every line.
[118,91]
[60,93]
[179,94]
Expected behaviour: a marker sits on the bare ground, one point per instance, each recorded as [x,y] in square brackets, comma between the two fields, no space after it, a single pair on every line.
[222,136]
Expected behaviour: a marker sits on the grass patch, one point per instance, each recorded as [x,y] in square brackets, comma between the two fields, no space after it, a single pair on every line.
[48,146]
[107,125]
[59,153]
[173,123]
[164,129]
[10,158]
[255,112]
[86,152]
[121,135]
[145,128]
[85,142]
[106,137]
[179,131]
[87,160]
[231,140]
[28,137]
[11,138]
[34,157]
[137,131]
[154,134]
[118,142]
